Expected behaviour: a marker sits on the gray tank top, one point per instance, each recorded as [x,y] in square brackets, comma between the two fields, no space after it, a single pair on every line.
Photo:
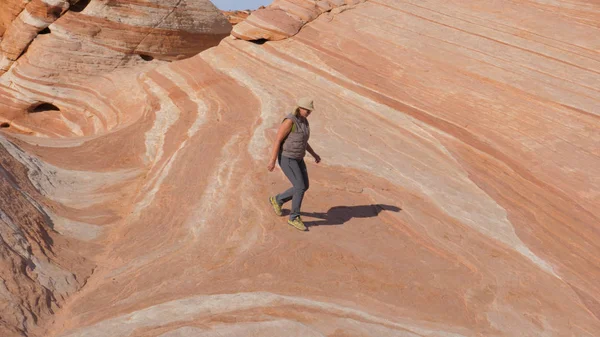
[294,145]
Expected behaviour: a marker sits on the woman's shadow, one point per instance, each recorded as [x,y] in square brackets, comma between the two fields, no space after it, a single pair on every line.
[338,215]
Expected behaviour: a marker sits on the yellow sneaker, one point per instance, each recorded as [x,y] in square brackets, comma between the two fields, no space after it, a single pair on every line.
[297,222]
[276,206]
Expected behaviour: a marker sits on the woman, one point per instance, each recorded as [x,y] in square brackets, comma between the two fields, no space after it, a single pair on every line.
[290,147]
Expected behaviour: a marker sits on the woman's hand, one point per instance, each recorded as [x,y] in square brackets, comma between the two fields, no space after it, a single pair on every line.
[271,166]
[313,153]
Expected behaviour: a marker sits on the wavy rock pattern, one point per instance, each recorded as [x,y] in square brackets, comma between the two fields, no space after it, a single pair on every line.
[38,270]
[235,17]
[51,54]
[457,197]
[63,64]
[284,18]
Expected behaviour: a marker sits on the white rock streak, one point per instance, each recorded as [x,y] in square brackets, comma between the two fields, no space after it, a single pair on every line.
[27,18]
[201,306]
[450,188]
[168,115]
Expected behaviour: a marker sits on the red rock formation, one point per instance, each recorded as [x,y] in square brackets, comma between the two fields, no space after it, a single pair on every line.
[10,10]
[36,16]
[457,194]
[38,268]
[235,17]
[284,18]
[93,38]
[50,59]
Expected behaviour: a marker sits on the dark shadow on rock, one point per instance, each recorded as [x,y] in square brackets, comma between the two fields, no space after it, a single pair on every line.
[79,6]
[339,215]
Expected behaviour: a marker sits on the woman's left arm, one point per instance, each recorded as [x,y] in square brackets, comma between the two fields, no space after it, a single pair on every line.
[313,153]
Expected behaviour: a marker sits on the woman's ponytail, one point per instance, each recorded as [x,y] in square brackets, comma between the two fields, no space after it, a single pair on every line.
[296,111]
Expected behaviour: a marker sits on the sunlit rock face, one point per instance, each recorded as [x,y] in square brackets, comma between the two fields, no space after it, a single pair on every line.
[284,18]
[235,17]
[54,57]
[457,195]
[54,52]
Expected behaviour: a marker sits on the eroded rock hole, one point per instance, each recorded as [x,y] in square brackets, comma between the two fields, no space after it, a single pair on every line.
[259,41]
[4,125]
[146,57]
[44,107]
[79,6]
[45,31]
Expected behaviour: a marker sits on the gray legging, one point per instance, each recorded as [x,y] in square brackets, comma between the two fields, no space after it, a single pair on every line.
[295,170]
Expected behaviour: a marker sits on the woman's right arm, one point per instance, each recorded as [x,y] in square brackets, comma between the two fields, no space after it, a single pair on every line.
[284,130]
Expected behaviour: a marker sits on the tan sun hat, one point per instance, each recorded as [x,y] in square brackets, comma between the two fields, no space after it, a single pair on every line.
[306,103]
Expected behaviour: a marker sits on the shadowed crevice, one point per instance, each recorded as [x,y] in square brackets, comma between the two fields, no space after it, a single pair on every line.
[147,58]
[259,41]
[41,107]
[79,6]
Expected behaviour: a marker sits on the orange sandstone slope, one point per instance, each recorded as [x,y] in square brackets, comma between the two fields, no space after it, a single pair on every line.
[55,62]
[53,56]
[457,194]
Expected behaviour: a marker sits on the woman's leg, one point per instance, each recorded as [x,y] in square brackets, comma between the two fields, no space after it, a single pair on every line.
[299,189]
[299,179]
[304,174]
[286,196]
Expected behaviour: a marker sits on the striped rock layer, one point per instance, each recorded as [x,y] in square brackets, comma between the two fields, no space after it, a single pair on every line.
[284,18]
[53,51]
[457,195]
[51,54]
[236,16]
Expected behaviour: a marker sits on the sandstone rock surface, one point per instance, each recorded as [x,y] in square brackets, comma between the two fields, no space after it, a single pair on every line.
[235,17]
[37,269]
[51,54]
[457,195]
[284,18]
[71,46]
